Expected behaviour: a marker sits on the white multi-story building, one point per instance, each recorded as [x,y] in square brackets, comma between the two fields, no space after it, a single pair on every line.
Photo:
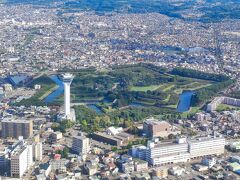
[37,151]
[163,153]
[222,100]
[206,146]
[16,159]
[158,153]
[21,159]
[80,145]
[172,158]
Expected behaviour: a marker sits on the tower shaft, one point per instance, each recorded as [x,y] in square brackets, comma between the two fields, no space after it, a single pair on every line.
[67,80]
[67,99]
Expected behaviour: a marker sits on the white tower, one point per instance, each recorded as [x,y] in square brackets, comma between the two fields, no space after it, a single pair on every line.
[67,80]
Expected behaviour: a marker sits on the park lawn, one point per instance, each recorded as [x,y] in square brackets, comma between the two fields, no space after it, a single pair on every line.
[144,102]
[191,111]
[192,85]
[48,92]
[178,91]
[200,86]
[196,84]
[85,99]
[76,99]
[167,98]
[172,106]
[47,87]
[145,88]
[108,110]
[225,107]
[168,88]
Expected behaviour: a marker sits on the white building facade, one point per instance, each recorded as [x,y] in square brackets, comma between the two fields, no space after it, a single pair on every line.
[37,151]
[21,160]
[184,150]
[206,146]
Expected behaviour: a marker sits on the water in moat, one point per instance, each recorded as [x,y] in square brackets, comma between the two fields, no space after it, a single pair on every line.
[184,101]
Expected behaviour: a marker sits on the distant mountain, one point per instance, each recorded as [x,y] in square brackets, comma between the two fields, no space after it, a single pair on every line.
[197,10]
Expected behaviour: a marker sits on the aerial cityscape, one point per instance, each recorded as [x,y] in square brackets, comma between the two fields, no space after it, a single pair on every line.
[120,89]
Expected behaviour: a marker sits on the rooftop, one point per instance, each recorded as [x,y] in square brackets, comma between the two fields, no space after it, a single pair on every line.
[16,120]
[156,122]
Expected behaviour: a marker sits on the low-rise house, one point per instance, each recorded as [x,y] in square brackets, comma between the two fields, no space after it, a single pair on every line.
[209,162]
[234,166]
[41,177]
[200,168]
[45,169]
[90,168]
[216,167]
[142,176]
[235,159]
[160,172]
[128,167]
[140,165]
[176,171]
[59,165]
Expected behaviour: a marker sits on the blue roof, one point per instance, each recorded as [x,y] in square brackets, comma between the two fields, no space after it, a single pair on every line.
[18,79]
[237,172]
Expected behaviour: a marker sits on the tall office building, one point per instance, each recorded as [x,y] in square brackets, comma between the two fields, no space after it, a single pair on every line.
[80,145]
[37,151]
[21,158]
[15,128]
[67,80]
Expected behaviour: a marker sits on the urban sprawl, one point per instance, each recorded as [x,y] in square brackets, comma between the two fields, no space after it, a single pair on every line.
[47,142]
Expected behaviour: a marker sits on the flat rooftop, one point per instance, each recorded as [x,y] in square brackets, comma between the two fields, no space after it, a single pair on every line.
[80,137]
[16,120]
[156,122]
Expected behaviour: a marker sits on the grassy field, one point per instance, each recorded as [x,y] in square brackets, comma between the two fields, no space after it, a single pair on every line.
[192,111]
[173,106]
[47,86]
[225,107]
[168,87]
[150,86]
[48,92]
[192,86]
[145,88]
[167,98]
[165,87]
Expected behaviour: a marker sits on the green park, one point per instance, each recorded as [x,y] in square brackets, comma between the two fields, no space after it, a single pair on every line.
[130,93]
